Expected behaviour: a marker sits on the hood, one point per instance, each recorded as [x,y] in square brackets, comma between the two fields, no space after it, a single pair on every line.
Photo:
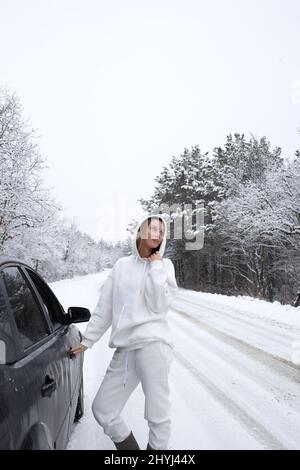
[134,237]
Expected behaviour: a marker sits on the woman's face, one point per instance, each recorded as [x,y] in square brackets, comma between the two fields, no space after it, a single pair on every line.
[155,233]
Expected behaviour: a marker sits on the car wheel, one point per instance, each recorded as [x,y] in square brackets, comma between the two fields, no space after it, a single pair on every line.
[80,403]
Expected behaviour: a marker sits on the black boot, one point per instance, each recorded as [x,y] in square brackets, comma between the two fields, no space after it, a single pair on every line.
[128,444]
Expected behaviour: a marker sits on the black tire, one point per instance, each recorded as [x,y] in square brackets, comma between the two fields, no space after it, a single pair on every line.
[80,403]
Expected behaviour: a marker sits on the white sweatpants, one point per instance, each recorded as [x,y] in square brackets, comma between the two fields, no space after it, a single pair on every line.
[149,365]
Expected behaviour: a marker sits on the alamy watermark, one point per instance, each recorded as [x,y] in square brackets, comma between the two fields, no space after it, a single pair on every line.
[187,221]
[184,221]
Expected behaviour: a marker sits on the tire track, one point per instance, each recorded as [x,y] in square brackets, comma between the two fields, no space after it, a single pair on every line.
[239,313]
[280,365]
[257,430]
[274,339]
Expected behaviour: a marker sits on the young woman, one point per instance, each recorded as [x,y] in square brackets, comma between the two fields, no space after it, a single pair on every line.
[134,301]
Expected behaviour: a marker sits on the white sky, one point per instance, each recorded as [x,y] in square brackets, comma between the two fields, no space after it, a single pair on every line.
[115,88]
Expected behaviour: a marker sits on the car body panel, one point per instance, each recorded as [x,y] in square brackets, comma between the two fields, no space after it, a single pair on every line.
[39,385]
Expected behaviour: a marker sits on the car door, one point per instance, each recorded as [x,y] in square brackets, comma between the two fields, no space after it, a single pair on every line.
[40,375]
[26,374]
[7,355]
[70,367]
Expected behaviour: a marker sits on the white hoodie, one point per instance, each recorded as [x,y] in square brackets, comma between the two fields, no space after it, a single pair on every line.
[134,300]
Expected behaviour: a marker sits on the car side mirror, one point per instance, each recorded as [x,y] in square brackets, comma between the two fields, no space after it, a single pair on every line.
[78,314]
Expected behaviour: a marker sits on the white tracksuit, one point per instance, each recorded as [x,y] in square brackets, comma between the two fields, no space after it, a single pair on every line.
[134,301]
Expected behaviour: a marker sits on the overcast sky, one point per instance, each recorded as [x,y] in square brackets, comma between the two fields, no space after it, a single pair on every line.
[116,87]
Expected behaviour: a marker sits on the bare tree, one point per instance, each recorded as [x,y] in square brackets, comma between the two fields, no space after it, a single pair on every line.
[24,202]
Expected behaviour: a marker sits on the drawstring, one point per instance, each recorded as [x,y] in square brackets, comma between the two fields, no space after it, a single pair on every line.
[144,272]
[125,367]
[121,314]
[145,267]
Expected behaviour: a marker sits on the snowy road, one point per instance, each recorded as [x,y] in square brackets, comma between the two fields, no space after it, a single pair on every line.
[232,380]
[246,397]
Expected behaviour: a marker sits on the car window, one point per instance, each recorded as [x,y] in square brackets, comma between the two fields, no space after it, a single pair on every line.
[3,313]
[28,315]
[5,332]
[50,302]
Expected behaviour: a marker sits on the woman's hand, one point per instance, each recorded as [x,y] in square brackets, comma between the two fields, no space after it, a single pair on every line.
[78,349]
[155,256]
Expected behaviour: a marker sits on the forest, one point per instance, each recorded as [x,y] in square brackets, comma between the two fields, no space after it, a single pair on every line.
[248,192]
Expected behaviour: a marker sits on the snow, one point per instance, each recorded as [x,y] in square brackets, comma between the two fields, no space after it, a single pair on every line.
[233,382]
[272,327]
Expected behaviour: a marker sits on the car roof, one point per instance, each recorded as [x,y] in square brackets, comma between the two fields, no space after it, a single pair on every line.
[4,259]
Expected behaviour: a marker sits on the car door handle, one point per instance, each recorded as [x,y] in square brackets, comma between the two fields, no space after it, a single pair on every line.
[71,354]
[49,386]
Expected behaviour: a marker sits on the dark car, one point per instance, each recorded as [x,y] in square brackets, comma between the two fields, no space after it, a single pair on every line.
[41,382]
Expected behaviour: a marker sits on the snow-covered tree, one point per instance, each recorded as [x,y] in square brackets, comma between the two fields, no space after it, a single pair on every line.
[30,224]
[24,201]
[260,231]
[243,240]
[241,162]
